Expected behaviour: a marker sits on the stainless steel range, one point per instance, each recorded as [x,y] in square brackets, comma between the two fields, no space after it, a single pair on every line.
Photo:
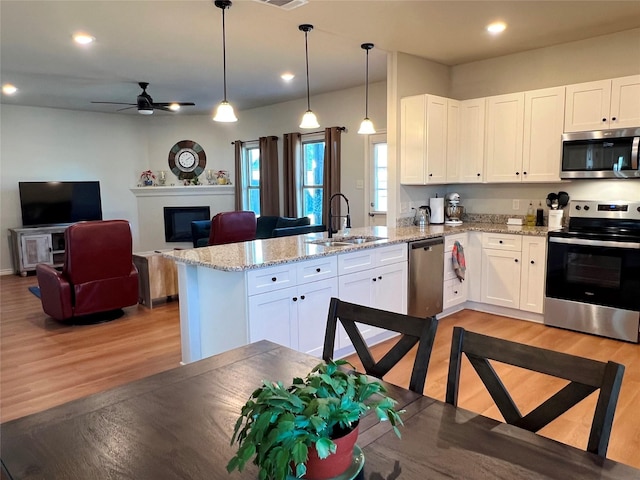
[593,270]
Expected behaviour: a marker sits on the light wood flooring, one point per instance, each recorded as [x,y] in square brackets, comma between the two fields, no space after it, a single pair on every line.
[44,363]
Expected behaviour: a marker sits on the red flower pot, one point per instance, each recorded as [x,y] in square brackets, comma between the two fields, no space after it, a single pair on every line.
[334,464]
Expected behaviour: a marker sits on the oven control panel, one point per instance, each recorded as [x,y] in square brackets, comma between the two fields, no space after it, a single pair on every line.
[598,209]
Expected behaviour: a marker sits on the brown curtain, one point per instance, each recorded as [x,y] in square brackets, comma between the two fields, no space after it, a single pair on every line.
[269,181]
[238,165]
[291,160]
[331,177]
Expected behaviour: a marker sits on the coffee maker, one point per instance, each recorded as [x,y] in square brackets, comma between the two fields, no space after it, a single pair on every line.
[452,209]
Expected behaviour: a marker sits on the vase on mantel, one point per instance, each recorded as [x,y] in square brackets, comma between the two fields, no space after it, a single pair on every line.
[148,183]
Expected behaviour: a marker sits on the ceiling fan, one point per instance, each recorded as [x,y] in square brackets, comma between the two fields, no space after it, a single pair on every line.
[146,105]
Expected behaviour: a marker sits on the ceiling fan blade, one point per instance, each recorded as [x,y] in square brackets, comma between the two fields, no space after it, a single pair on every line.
[115,103]
[162,107]
[125,108]
[166,104]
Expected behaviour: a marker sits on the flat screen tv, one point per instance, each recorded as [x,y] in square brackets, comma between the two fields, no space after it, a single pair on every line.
[55,203]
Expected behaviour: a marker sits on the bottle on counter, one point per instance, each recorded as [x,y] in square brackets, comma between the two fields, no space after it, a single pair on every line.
[539,215]
[531,216]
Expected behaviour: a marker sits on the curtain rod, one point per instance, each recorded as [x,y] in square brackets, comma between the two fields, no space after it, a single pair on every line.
[273,137]
[342,129]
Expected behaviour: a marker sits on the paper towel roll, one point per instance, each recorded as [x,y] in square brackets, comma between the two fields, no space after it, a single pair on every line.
[437,210]
[555,219]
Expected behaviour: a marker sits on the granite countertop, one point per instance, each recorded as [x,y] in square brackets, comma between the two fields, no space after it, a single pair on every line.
[274,251]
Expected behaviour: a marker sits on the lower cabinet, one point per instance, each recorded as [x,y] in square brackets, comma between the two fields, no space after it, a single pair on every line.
[513,271]
[294,316]
[454,292]
[31,246]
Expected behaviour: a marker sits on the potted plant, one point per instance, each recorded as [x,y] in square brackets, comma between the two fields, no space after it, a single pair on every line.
[292,430]
[147,177]
[223,177]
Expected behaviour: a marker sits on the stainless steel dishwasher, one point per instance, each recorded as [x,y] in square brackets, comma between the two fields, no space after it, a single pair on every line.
[426,271]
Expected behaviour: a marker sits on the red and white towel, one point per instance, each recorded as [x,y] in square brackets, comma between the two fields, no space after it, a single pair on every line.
[458,261]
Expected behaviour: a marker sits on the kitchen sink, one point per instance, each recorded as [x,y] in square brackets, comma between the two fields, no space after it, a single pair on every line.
[345,241]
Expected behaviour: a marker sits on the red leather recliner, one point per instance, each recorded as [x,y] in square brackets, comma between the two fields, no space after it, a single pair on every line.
[231,227]
[98,274]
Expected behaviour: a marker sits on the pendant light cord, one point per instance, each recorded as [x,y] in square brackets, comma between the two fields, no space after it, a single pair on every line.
[366,90]
[306,51]
[224,56]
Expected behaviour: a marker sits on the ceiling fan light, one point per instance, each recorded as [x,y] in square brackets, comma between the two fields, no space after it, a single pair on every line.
[366,127]
[174,107]
[309,120]
[225,113]
[145,111]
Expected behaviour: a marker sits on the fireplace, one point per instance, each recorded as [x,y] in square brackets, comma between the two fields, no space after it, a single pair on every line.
[177,222]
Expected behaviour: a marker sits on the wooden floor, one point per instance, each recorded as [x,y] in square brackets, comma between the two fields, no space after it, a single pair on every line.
[44,363]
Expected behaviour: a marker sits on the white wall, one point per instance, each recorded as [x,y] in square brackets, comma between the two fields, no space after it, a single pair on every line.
[40,144]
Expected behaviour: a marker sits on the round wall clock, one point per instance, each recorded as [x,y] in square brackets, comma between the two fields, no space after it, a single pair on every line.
[187,159]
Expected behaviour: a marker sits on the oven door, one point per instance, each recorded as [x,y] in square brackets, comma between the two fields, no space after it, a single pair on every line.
[599,272]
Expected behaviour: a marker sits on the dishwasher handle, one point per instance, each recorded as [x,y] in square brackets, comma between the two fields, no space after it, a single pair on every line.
[430,242]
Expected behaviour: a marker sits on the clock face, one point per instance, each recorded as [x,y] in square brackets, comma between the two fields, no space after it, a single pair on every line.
[187,159]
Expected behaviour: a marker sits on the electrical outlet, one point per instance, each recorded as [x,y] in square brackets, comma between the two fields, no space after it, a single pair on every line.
[516,204]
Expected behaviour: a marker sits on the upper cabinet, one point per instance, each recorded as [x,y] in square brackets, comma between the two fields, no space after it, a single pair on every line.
[423,139]
[468,165]
[602,105]
[524,136]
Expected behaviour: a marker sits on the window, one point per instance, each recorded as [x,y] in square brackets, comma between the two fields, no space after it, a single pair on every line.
[312,170]
[251,177]
[378,149]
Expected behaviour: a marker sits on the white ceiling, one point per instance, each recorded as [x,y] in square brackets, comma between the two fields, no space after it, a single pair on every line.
[176,46]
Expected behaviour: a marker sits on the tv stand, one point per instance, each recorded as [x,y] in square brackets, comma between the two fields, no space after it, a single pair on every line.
[33,245]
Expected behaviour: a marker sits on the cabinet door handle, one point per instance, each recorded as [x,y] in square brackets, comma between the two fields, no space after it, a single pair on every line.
[532,262]
[524,173]
[431,174]
[295,299]
[613,119]
[455,292]
[516,260]
[499,241]
[274,279]
[318,270]
[301,297]
[374,279]
[477,174]
[604,119]
[380,277]
[517,173]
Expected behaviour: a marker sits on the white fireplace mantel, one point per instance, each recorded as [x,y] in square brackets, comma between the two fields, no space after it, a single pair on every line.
[183,191]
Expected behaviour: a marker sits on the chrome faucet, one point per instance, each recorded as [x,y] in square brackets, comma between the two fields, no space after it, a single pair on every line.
[331,216]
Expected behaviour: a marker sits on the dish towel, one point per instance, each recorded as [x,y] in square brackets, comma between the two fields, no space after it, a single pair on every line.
[458,261]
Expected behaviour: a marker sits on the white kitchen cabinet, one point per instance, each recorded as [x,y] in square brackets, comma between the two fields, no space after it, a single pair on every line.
[470,168]
[423,139]
[532,284]
[288,303]
[501,269]
[604,104]
[505,127]
[454,141]
[543,127]
[454,292]
[383,286]
[473,257]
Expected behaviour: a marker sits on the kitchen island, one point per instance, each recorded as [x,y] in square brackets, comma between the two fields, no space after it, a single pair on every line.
[278,288]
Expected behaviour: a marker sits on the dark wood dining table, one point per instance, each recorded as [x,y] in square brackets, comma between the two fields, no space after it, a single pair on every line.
[178,425]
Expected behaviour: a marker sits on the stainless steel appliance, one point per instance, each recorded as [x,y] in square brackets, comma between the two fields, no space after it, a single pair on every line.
[453,209]
[426,271]
[601,154]
[593,270]
[422,216]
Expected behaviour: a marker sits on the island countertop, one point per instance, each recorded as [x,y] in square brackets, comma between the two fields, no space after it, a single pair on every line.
[242,256]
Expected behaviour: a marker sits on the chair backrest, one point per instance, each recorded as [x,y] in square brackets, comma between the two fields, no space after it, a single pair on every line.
[97,250]
[230,227]
[200,232]
[585,377]
[413,329]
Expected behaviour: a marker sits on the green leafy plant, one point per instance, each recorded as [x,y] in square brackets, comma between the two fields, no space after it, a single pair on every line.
[279,424]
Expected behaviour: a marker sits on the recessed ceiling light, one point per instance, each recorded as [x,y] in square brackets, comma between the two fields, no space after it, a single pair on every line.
[9,89]
[287,77]
[496,27]
[83,38]
[174,107]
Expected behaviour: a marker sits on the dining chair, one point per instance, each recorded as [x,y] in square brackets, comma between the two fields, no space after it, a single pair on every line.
[414,330]
[585,377]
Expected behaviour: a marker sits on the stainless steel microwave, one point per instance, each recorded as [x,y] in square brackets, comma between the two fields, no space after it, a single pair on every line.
[601,154]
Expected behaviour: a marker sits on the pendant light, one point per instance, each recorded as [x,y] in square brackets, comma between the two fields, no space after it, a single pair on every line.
[309,119]
[224,112]
[366,127]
